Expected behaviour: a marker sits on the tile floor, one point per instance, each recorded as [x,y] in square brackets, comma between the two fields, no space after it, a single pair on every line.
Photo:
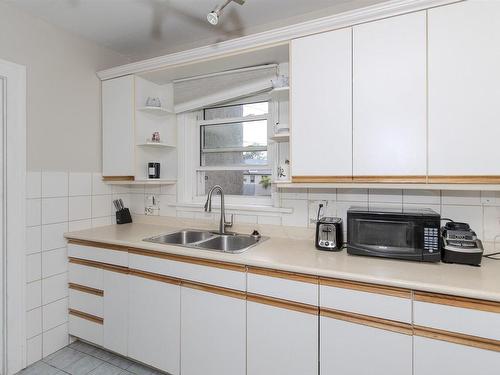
[80,358]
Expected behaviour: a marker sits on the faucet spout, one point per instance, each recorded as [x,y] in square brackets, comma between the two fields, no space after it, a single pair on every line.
[223,224]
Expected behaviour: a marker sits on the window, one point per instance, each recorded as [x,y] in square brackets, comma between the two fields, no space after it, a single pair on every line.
[234,150]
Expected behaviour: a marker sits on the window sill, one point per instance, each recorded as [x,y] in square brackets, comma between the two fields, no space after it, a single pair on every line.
[236,207]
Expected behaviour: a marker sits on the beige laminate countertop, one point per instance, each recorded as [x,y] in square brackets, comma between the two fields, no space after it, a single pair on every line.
[301,256]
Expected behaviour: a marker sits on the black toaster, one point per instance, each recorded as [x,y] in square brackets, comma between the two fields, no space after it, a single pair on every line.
[329,234]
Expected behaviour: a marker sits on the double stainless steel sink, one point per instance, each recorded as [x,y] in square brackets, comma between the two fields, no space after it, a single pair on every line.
[206,240]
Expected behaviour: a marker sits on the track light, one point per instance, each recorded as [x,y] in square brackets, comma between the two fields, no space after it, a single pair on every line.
[213,16]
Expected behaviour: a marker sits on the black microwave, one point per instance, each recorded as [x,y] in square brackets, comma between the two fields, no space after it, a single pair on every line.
[388,233]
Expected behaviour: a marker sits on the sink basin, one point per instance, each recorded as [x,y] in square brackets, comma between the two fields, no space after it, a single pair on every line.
[199,239]
[183,237]
[233,243]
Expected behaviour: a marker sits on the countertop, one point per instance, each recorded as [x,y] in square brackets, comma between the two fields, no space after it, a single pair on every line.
[300,255]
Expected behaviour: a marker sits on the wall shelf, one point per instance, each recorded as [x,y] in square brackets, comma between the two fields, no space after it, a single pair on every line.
[143,182]
[159,111]
[283,137]
[155,144]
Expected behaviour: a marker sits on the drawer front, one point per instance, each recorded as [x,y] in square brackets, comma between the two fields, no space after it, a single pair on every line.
[391,307]
[280,287]
[86,302]
[91,277]
[225,278]
[86,330]
[97,254]
[468,321]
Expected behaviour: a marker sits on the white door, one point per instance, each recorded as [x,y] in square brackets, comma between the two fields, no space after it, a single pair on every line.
[464,89]
[433,357]
[115,311]
[354,349]
[154,323]
[389,97]
[320,105]
[281,341]
[118,121]
[213,338]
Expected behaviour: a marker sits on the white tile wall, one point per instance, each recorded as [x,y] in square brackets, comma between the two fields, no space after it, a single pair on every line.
[56,202]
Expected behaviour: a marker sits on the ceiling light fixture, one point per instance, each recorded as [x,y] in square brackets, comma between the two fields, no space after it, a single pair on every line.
[213,16]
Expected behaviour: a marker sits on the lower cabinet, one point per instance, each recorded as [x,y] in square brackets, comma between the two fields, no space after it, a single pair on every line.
[154,323]
[115,311]
[355,349]
[213,339]
[435,357]
[281,341]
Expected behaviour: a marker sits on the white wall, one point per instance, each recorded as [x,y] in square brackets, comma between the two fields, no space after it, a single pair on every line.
[63,103]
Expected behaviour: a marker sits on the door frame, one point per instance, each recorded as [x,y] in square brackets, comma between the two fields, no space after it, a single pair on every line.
[13,258]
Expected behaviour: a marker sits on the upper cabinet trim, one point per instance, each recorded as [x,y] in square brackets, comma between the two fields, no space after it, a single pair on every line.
[274,37]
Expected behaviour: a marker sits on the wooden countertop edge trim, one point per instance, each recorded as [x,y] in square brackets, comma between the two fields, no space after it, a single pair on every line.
[466,303]
[457,338]
[214,289]
[385,324]
[89,317]
[154,276]
[283,275]
[187,259]
[364,287]
[284,304]
[86,289]
[95,264]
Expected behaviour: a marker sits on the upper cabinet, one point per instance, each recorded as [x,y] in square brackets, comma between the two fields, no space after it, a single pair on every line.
[320,103]
[389,98]
[118,127]
[464,92]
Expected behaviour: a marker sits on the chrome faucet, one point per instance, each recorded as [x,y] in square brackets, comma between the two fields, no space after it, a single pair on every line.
[208,208]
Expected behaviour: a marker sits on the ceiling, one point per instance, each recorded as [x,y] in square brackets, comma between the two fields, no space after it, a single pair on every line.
[140,29]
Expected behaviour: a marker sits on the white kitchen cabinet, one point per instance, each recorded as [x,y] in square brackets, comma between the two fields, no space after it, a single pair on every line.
[355,349]
[389,97]
[320,105]
[213,338]
[281,341]
[118,143]
[154,323]
[464,89]
[434,357]
[115,311]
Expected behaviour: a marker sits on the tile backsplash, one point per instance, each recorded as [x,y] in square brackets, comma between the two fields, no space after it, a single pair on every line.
[65,201]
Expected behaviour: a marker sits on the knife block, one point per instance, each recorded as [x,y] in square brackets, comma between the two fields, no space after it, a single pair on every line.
[123,216]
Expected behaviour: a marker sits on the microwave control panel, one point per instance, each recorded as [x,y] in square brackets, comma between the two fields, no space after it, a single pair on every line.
[431,239]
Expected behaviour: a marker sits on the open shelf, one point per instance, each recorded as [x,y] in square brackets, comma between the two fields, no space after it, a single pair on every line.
[281,137]
[156,181]
[279,92]
[160,111]
[155,144]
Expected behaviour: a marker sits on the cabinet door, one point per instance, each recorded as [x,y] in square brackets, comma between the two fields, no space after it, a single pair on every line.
[281,341]
[115,311]
[389,97]
[433,357]
[354,349]
[118,127]
[212,333]
[464,87]
[321,97]
[154,323]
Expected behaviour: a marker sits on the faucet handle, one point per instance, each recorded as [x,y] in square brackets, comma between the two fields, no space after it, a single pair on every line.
[229,223]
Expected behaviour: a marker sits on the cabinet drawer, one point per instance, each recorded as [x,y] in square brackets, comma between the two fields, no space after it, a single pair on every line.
[91,277]
[226,276]
[283,285]
[99,254]
[85,329]
[456,314]
[86,302]
[366,299]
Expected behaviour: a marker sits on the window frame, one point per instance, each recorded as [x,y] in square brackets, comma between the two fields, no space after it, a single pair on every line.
[197,179]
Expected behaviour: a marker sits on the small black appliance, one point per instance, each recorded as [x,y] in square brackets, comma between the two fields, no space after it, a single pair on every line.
[460,244]
[329,234]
